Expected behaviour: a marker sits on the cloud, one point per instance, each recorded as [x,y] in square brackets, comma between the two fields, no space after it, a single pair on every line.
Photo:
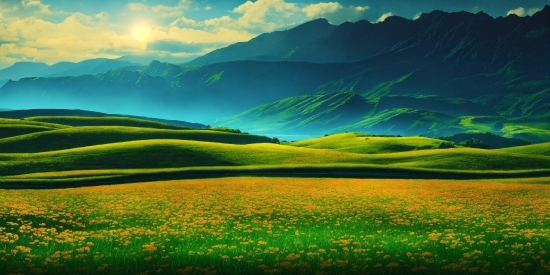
[254,14]
[102,16]
[361,9]
[76,38]
[336,13]
[207,8]
[384,16]
[519,12]
[183,22]
[320,9]
[161,10]
[532,11]
[36,4]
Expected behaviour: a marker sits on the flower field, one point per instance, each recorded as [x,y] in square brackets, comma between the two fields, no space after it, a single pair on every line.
[280,226]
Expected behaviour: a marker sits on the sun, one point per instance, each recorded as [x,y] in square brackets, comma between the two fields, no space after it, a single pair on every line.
[141,32]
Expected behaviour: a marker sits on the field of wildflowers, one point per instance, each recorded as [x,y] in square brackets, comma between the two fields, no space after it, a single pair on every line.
[280,226]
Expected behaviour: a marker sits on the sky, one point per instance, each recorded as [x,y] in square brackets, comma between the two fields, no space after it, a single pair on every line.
[52,31]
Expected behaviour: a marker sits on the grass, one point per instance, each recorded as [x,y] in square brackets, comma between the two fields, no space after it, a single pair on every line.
[279,226]
[542,149]
[11,130]
[187,153]
[102,121]
[82,136]
[358,143]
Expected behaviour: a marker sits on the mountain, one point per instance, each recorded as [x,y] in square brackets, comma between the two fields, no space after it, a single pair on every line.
[453,37]
[302,114]
[23,69]
[434,76]
[35,69]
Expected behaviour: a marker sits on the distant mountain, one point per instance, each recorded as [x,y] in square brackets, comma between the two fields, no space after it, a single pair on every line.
[435,75]
[302,114]
[23,69]
[455,38]
[35,69]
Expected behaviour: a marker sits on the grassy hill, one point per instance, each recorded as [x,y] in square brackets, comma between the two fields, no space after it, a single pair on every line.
[16,127]
[102,121]
[185,153]
[75,137]
[360,143]
[542,149]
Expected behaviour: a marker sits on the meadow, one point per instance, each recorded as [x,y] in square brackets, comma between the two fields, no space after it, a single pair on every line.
[217,201]
[247,225]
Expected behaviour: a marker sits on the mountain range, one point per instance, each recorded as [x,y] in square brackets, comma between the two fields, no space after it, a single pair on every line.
[441,74]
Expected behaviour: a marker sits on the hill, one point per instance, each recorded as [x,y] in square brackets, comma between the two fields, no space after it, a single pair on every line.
[542,149]
[21,114]
[364,144]
[101,121]
[82,136]
[178,153]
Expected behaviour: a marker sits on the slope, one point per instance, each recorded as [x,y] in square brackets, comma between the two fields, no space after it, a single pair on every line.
[75,137]
[302,114]
[364,144]
[177,153]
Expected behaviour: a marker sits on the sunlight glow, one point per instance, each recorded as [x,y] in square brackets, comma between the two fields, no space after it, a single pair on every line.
[141,33]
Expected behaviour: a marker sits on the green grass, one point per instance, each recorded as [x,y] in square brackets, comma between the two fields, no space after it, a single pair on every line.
[102,121]
[185,153]
[542,149]
[9,121]
[75,137]
[358,143]
[279,226]
[11,130]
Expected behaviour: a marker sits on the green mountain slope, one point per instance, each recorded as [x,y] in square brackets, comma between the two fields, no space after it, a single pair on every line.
[75,137]
[302,114]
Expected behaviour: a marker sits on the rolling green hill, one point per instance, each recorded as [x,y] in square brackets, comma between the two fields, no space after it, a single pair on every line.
[16,127]
[360,143]
[102,121]
[542,149]
[11,130]
[81,136]
[179,153]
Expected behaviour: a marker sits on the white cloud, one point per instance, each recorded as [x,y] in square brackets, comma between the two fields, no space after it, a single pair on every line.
[137,7]
[30,4]
[254,13]
[384,16]
[533,11]
[316,10]
[519,12]
[417,16]
[183,22]
[207,8]
[360,9]
[161,10]
[77,37]
[102,16]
